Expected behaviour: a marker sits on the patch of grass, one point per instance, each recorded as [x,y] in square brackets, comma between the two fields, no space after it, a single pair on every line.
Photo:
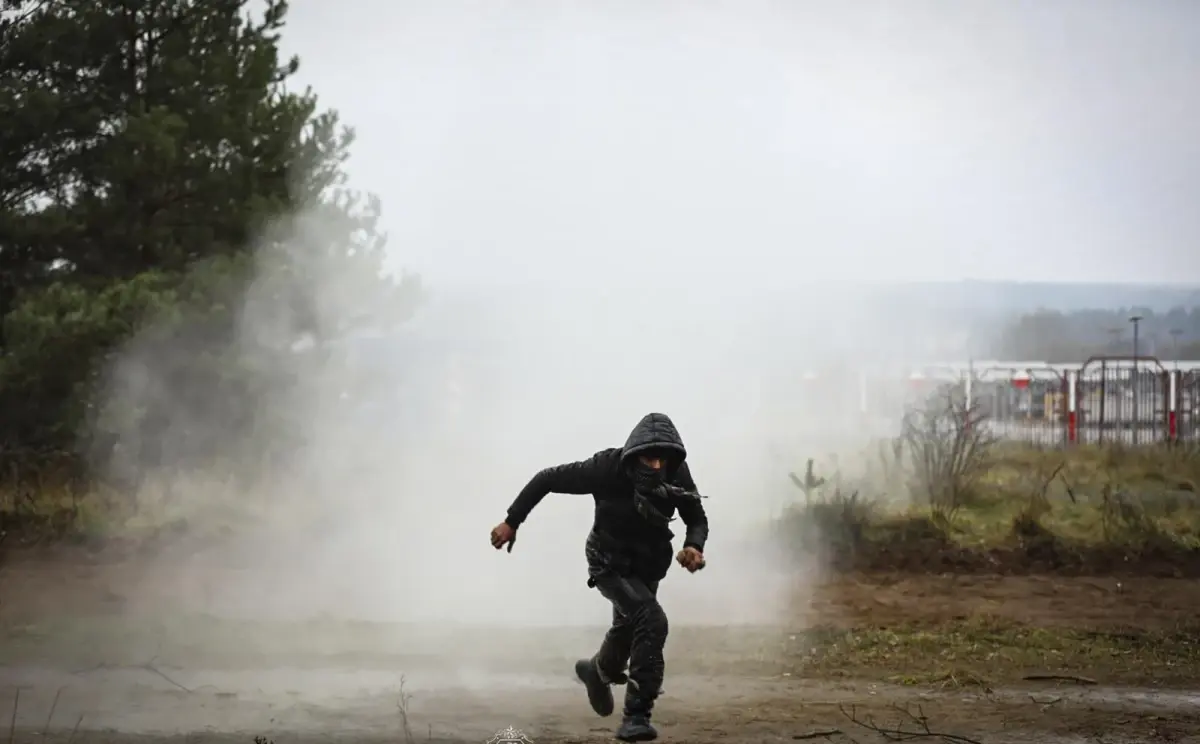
[983,652]
[1167,467]
[52,506]
[1082,510]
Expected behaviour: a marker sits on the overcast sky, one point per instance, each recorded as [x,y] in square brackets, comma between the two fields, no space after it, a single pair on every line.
[771,143]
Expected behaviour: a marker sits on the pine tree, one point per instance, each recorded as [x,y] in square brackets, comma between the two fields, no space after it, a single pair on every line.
[151,149]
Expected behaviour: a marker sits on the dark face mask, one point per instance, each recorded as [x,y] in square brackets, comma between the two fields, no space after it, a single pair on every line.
[646,479]
[648,487]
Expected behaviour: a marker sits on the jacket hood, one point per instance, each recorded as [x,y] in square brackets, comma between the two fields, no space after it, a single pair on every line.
[655,431]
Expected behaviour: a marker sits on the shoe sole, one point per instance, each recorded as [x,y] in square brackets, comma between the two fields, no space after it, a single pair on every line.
[599,694]
[648,736]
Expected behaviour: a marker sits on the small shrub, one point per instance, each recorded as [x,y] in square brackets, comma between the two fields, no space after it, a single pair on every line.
[913,531]
[949,448]
[1126,522]
[831,527]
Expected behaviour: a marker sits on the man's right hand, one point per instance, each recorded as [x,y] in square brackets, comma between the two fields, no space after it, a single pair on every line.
[503,534]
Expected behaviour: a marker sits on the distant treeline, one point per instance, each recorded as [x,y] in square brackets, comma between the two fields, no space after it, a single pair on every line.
[1063,337]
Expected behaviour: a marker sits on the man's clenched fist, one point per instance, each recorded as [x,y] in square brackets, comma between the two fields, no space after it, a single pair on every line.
[502,534]
[691,559]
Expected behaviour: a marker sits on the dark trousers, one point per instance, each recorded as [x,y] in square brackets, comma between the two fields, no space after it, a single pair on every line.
[639,625]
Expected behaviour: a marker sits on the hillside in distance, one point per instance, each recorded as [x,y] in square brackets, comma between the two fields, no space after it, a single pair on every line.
[524,325]
[814,309]
[979,299]
[1014,298]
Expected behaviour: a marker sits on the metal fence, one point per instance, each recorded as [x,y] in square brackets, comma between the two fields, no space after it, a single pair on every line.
[1187,407]
[1033,410]
[1105,400]
[1123,400]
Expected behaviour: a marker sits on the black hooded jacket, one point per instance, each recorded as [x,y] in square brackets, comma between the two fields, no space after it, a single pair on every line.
[605,475]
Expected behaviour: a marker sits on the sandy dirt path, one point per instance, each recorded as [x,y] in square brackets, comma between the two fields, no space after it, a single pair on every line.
[79,655]
[289,705]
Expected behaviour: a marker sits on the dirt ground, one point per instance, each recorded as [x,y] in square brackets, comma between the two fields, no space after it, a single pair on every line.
[75,654]
[1041,601]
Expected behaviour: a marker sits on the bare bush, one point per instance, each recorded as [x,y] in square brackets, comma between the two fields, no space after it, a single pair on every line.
[831,521]
[949,447]
[810,484]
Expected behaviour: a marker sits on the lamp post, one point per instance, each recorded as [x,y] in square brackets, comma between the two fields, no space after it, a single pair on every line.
[1137,420]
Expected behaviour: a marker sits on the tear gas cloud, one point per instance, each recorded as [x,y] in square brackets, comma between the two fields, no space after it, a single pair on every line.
[630,207]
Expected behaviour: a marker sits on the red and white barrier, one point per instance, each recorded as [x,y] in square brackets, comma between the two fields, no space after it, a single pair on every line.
[1072,407]
[1172,404]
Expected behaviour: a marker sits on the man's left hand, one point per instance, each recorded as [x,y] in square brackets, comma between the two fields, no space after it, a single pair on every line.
[691,559]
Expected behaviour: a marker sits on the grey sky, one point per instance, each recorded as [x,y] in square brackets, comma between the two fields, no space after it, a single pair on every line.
[771,143]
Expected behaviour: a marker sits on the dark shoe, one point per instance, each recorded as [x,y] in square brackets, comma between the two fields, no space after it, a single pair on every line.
[636,728]
[598,691]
